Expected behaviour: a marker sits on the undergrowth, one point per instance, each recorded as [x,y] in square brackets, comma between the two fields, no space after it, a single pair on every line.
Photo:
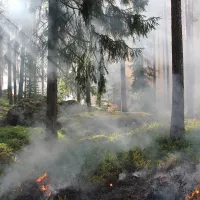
[160,152]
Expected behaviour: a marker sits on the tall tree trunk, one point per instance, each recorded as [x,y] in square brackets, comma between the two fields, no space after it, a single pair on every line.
[21,79]
[1,64]
[123,88]
[166,54]
[177,129]
[88,95]
[189,58]
[159,62]
[1,78]
[15,72]
[10,99]
[154,67]
[51,112]
[42,68]
[78,93]
[8,56]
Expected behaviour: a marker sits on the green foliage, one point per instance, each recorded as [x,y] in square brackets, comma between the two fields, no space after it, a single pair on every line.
[85,71]
[117,49]
[161,152]
[192,125]
[63,90]
[107,171]
[31,76]
[5,154]
[165,145]
[4,106]
[112,165]
[89,42]
[133,160]
[14,137]
[153,129]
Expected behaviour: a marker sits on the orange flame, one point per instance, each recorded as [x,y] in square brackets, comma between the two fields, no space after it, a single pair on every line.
[194,193]
[41,178]
[44,185]
[111,185]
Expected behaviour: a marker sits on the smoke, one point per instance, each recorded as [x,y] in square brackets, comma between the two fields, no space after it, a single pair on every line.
[65,159]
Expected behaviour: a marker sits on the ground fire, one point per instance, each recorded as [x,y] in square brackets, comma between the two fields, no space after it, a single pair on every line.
[194,195]
[44,184]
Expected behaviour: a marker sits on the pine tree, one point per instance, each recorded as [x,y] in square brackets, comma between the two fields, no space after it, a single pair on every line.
[15,49]
[177,129]
[21,80]
[9,64]
[1,61]
[189,61]
[110,39]
[51,112]
[123,89]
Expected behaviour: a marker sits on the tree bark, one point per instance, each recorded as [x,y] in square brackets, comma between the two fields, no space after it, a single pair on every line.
[51,112]
[42,66]
[177,129]
[123,88]
[154,67]
[88,95]
[21,80]
[78,93]
[1,65]
[189,59]
[8,57]
[15,72]
[166,54]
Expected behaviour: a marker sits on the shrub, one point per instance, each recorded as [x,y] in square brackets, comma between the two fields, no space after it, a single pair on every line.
[14,137]
[5,153]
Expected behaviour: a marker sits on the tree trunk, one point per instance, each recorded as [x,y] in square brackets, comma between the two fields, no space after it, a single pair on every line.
[159,62]
[21,80]
[1,64]
[88,95]
[8,57]
[51,112]
[189,59]
[177,129]
[154,68]
[123,88]
[42,66]
[1,78]
[15,72]
[78,93]
[166,55]
[10,83]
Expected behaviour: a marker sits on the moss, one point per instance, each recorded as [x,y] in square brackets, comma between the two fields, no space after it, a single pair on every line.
[111,165]
[4,107]
[5,153]
[61,136]
[192,125]
[107,171]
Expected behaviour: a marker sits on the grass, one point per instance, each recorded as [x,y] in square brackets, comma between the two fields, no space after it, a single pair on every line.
[102,164]
[160,153]
[12,139]
[4,107]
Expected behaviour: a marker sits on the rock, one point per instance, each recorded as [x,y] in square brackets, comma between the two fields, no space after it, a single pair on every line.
[26,112]
[68,193]
[70,107]
[29,112]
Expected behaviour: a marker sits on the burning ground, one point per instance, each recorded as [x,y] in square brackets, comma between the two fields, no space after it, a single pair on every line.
[134,162]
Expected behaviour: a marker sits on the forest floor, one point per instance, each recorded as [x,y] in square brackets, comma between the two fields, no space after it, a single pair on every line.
[4,107]
[115,155]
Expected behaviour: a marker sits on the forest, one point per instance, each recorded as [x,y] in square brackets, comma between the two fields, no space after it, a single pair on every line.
[99,100]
